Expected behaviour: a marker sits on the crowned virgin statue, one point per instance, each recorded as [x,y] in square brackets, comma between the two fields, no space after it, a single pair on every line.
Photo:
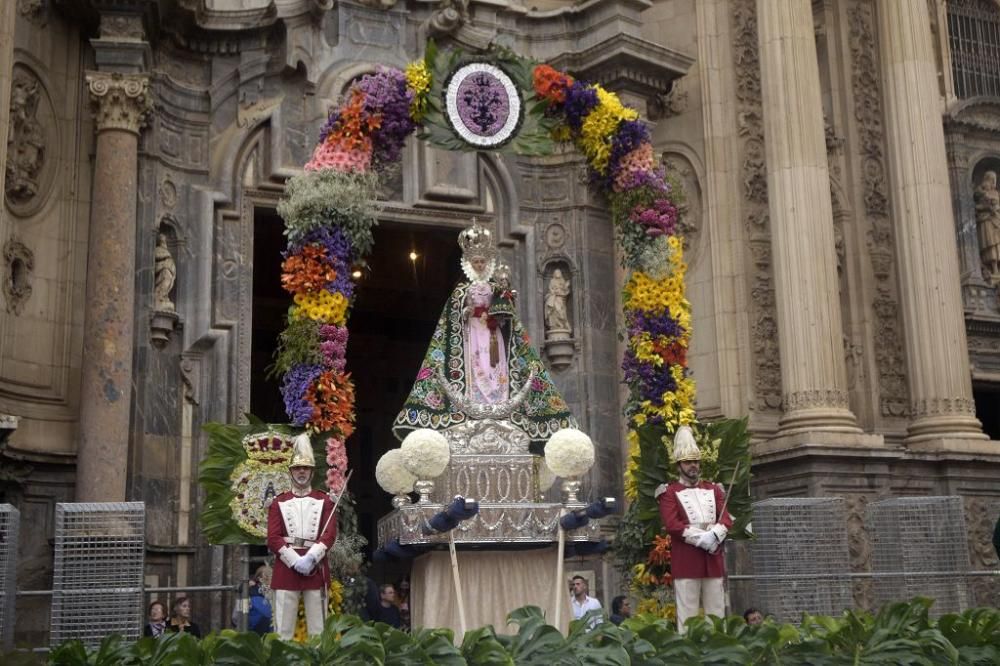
[479,364]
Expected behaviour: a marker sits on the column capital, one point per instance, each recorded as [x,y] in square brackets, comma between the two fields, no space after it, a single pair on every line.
[119,101]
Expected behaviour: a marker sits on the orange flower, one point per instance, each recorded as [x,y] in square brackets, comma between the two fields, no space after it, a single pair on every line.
[673,353]
[660,553]
[307,271]
[332,397]
[551,84]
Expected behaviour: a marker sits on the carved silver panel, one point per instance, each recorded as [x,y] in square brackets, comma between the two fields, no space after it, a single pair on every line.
[494,524]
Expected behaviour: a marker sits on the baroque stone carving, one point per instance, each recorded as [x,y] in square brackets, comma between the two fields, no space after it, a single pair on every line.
[672,103]
[119,101]
[814,398]
[27,152]
[31,9]
[859,548]
[126,27]
[889,359]
[749,118]
[987,200]
[19,263]
[980,519]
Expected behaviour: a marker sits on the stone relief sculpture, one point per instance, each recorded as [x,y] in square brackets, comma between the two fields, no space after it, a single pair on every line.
[557,325]
[165,273]
[987,200]
[26,143]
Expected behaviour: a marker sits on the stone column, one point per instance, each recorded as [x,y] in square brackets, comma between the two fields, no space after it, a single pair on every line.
[940,382]
[813,373]
[120,103]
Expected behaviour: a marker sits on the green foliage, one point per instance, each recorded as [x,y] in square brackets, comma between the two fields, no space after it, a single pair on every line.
[901,633]
[332,198]
[297,344]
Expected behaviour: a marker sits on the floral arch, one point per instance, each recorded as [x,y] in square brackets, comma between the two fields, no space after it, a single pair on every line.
[497,101]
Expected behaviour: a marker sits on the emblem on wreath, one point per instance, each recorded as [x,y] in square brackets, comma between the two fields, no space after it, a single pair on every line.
[260,478]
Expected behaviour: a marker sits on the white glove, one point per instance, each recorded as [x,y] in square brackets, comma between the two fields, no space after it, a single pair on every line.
[305,564]
[708,541]
[720,531]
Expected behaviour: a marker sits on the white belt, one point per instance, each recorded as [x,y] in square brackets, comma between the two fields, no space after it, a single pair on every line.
[299,543]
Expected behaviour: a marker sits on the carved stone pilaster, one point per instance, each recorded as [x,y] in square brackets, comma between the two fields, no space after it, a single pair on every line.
[119,101]
[889,359]
[749,118]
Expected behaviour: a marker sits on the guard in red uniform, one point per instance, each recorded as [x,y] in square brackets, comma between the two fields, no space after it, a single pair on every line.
[689,509]
[301,528]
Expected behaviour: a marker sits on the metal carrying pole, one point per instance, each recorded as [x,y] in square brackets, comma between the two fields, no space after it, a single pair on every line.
[457,580]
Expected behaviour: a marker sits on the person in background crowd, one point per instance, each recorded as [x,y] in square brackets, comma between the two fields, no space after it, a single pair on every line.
[753,617]
[403,601]
[180,618]
[259,618]
[157,620]
[620,609]
[581,601]
[388,611]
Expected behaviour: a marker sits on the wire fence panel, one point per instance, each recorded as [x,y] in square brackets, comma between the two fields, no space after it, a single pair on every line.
[10,520]
[799,552]
[917,535]
[98,571]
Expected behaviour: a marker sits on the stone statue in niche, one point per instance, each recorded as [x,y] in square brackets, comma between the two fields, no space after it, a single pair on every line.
[557,324]
[559,344]
[987,200]
[165,273]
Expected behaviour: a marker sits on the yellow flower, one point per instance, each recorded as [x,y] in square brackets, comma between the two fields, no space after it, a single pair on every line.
[418,79]
[599,127]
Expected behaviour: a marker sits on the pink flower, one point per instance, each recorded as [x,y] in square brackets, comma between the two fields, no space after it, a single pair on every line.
[424,373]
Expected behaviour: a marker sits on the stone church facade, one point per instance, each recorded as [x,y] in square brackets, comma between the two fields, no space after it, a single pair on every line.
[843,235]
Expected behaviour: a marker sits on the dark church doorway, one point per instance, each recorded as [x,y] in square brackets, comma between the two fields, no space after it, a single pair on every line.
[398,299]
[988,409]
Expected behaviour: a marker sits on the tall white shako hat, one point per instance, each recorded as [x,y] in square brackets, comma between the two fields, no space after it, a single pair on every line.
[302,452]
[685,448]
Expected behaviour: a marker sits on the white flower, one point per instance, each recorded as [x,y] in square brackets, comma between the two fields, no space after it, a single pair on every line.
[569,453]
[545,476]
[425,453]
[391,475]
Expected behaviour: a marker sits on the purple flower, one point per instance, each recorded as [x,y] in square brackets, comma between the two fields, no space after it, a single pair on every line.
[651,382]
[386,95]
[293,390]
[580,100]
[639,321]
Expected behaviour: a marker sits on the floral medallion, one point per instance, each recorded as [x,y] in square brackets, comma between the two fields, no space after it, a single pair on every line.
[483,105]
